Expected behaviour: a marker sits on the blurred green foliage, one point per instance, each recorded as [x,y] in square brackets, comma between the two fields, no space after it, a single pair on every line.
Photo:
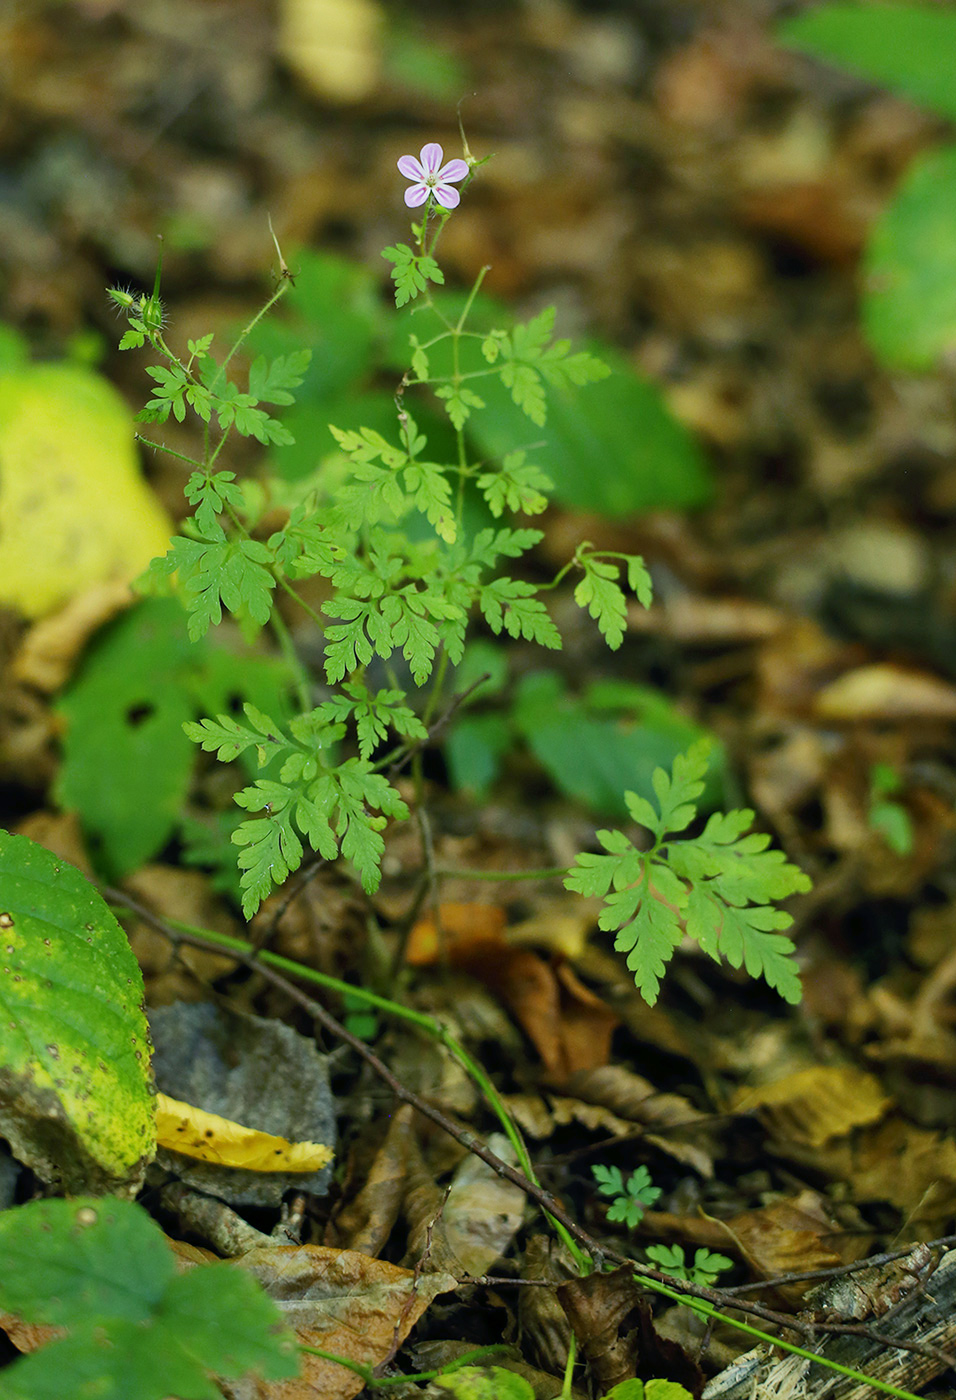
[589,745]
[909,285]
[614,448]
[127,763]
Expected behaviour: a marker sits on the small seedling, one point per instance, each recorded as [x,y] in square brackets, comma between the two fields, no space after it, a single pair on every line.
[630,1197]
[705,1269]
[886,815]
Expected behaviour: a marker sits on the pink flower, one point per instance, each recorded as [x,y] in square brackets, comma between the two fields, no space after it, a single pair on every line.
[431,177]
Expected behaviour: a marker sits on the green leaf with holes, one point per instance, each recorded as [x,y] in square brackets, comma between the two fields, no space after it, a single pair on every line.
[127,764]
[75,1081]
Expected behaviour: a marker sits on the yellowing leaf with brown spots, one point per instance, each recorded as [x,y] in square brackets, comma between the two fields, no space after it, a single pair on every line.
[75,1079]
[74,509]
[182,1128]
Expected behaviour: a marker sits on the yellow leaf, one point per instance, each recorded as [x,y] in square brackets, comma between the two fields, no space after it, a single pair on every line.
[74,509]
[182,1128]
[335,46]
[813,1105]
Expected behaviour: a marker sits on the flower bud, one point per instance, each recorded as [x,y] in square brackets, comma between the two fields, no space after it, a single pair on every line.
[121,299]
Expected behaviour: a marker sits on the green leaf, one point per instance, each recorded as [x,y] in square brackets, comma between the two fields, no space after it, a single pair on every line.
[908,48]
[430,490]
[473,752]
[600,592]
[610,1180]
[705,1269]
[659,1390]
[485,1383]
[630,1197]
[714,886]
[650,1390]
[172,382]
[909,301]
[139,1330]
[517,486]
[358,790]
[510,604]
[127,763]
[210,495]
[893,823]
[650,940]
[613,447]
[609,738]
[64,1262]
[220,573]
[270,847]
[271,383]
[75,1085]
[373,715]
[411,273]
[459,401]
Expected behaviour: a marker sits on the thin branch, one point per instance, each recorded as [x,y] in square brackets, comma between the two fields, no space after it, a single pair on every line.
[678,1288]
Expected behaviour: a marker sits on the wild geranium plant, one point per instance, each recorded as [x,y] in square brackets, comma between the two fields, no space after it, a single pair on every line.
[408,574]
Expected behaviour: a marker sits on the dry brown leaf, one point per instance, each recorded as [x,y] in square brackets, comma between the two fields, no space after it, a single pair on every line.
[61,833]
[612,1321]
[702,621]
[543,1323]
[465,1229]
[568,1025]
[795,664]
[673,1125]
[883,692]
[177,974]
[793,1236]
[813,1105]
[48,653]
[459,927]
[28,1336]
[338,1301]
[367,1219]
[896,1161]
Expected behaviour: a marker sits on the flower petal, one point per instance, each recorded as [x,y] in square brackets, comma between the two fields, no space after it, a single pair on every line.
[454,170]
[432,157]
[416,195]
[447,196]
[411,168]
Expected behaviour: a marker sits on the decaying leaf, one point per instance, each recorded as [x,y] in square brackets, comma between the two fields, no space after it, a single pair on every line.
[612,1320]
[792,1236]
[366,1220]
[813,1105]
[74,509]
[885,692]
[210,1138]
[48,653]
[468,1228]
[340,1302]
[75,1081]
[250,1070]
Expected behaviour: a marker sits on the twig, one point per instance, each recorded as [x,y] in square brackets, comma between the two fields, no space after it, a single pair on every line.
[678,1289]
